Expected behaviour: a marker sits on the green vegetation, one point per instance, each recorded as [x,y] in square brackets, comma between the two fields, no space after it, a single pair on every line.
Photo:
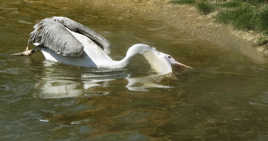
[244,17]
[183,1]
[262,41]
[242,14]
[231,4]
[263,18]
[205,7]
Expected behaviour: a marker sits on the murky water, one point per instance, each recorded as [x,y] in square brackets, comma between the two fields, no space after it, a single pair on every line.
[224,99]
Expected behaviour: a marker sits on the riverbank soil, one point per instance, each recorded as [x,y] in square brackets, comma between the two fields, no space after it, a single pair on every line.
[187,19]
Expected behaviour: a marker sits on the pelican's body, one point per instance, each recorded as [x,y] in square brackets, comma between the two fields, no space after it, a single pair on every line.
[93,55]
[66,41]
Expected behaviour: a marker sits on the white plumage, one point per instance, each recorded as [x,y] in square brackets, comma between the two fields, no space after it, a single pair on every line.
[66,41]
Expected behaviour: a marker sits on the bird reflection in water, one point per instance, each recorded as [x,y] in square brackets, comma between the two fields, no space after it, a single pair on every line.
[55,84]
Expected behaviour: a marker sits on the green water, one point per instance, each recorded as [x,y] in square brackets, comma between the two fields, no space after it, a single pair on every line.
[225,98]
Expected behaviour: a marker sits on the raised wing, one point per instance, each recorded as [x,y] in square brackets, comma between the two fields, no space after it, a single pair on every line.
[84,30]
[52,33]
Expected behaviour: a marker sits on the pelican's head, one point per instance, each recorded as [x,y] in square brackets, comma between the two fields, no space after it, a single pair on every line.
[173,62]
[160,62]
[163,63]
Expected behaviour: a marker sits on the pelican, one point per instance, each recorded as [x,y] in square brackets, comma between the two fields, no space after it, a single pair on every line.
[64,40]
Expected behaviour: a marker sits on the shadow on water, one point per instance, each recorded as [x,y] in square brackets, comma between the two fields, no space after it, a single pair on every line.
[224,98]
[56,82]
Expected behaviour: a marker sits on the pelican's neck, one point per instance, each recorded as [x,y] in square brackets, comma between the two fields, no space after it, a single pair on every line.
[122,63]
[132,51]
[159,64]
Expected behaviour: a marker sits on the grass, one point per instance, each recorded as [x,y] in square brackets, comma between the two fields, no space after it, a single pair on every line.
[243,17]
[263,19]
[183,1]
[205,7]
[256,2]
[242,14]
[231,4]
[246,17]
[262,41]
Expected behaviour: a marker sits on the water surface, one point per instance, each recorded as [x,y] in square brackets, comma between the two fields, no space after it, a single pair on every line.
[225,98]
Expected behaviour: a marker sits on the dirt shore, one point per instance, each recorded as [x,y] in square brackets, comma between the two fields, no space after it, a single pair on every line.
[187,19]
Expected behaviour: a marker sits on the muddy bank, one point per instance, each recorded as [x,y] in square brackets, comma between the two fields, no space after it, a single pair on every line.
[183,18]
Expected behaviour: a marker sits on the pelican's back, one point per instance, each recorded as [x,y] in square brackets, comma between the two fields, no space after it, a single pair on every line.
[93,55]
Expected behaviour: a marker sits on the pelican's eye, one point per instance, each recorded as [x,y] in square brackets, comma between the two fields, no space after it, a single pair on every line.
[169,57]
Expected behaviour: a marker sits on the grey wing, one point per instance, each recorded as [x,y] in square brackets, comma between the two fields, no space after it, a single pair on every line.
[80,28]
[53,35]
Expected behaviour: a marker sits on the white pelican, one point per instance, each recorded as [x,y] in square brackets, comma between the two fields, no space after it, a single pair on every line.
[63,40]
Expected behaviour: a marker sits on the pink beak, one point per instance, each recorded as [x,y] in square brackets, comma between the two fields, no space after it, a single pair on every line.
[180,65]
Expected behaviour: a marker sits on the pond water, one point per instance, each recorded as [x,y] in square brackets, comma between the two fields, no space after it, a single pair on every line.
[225,98]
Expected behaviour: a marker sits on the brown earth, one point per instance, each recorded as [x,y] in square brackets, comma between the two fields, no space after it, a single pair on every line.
[187,19]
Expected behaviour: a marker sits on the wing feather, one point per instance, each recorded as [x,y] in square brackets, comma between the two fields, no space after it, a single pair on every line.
[80,28]
[51,34]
